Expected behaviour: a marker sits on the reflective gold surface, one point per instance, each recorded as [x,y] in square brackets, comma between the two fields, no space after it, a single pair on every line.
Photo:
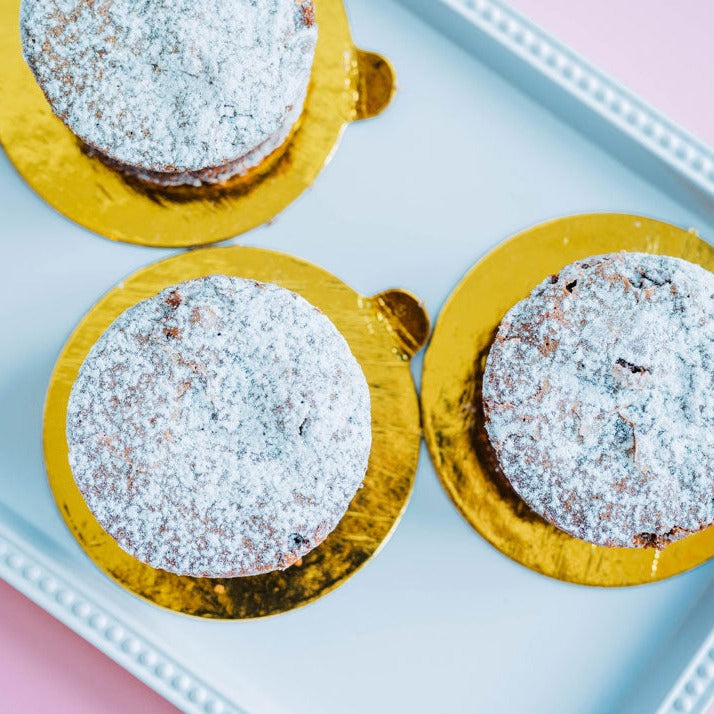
[383,332]
[451,398]
[346,84]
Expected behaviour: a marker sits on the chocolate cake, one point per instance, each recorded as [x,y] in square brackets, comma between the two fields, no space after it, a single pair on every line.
[599,399]
[220,428]
[177,92]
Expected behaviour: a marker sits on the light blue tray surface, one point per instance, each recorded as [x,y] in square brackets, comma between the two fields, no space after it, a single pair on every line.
[440,621]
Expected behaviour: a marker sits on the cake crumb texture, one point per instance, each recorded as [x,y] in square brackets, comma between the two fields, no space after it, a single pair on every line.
[599,399]
[172,85]
[220,428]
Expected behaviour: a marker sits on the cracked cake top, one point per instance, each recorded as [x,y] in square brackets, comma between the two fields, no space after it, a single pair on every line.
[599,399]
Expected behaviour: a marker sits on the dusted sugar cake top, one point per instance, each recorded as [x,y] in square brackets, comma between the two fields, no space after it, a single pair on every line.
[220,428]
[172,85]
[599,399]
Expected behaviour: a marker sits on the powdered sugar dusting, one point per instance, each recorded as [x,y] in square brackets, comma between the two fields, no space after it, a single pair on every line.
[172,85]
[220,428]
[599,399]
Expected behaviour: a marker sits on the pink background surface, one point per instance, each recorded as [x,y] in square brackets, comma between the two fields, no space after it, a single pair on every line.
[659,48]
[45,667]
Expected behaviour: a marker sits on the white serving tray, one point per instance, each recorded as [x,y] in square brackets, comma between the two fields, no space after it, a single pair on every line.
[439,621]
[572,88]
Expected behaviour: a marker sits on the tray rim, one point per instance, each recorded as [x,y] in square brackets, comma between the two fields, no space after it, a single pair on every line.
[24,566]
[29,570]
[555,62]
[690,687]
[679,679]
[693,690]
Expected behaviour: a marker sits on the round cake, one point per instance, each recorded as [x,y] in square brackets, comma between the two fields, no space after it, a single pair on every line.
[174,92]
[598,397]
[220,428]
